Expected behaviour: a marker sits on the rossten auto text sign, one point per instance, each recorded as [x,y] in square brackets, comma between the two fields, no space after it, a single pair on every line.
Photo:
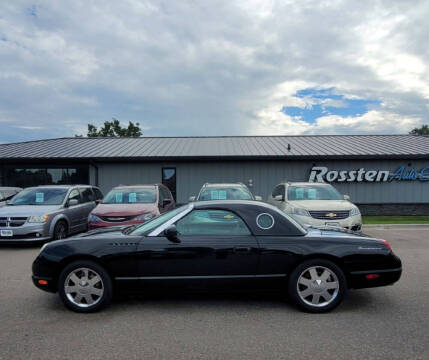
[403,173]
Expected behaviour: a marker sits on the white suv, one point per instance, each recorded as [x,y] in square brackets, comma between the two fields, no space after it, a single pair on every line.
[316,204]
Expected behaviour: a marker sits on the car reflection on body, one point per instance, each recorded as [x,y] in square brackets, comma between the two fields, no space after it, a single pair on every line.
[245,245]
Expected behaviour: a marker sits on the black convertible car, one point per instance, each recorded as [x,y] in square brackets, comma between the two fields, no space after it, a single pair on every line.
[245,245]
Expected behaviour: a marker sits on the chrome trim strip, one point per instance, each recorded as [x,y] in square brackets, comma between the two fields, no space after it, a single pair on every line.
[199,277]
[162,227]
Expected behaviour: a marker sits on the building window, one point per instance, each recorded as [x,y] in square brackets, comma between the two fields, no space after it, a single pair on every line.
[169,180]
[23,176]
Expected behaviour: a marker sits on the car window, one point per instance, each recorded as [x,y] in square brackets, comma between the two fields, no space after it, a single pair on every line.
[39,196]
[87,195]
[147,227]
[1,196]
[130,196]
[212,222]
[225,193]
[278,190]
[165,193]
[75,195]
[98,194]
[161,195]
[311,192]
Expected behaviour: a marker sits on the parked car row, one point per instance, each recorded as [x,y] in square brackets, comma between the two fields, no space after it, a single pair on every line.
[57,211]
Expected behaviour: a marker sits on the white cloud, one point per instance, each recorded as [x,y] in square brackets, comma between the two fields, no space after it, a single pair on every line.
[210,68]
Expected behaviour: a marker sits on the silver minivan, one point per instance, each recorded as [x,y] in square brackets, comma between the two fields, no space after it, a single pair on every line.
[47,212]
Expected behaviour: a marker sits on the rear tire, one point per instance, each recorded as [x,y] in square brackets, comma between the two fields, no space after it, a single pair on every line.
[84,286]
[317,285]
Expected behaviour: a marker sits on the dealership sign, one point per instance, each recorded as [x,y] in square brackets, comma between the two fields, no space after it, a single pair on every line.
[323,174]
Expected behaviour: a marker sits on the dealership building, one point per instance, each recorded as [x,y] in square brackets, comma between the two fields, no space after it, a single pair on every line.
[383,174]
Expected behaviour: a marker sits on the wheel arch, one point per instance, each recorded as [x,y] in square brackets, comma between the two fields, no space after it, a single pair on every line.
[81,257]
[56,219]
[335,259]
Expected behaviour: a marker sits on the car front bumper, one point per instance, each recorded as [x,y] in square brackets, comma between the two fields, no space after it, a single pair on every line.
[104,224]
[352,222]
[26,233]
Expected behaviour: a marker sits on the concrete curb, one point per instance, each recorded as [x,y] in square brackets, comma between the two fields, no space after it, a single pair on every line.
[396,226]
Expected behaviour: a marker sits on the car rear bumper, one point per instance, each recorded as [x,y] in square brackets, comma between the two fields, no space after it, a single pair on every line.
[374,278]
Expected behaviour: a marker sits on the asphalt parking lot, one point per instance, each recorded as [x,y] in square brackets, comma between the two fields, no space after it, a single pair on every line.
[384,323]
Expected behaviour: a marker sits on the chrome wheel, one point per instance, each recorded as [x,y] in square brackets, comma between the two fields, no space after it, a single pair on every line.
[84,287]
[318,286]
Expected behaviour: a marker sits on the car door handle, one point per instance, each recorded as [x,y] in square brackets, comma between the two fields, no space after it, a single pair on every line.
[241,249]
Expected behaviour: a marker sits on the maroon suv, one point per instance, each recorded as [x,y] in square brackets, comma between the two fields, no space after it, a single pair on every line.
[131,205]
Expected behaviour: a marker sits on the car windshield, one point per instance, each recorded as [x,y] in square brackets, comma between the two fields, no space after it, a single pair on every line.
[311,192]
[130,196]
[39,196]
[155,222]
[224,193]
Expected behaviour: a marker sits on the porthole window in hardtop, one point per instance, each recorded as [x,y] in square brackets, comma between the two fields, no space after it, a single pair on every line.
[265,221]
[212,222]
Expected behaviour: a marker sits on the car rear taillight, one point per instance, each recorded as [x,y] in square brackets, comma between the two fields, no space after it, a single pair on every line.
[372,276]
[386,243]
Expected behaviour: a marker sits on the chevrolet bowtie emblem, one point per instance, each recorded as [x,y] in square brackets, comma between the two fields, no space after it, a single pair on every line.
[331,215]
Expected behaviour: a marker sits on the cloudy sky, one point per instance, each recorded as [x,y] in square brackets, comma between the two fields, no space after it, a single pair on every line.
[213,67]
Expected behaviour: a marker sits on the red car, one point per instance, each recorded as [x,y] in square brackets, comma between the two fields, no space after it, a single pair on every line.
[131,205]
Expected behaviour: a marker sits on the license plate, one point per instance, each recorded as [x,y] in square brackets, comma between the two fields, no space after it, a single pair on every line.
[332,224]
[6,232]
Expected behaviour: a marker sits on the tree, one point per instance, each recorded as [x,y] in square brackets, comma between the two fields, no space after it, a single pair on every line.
[424,130]
[114,129]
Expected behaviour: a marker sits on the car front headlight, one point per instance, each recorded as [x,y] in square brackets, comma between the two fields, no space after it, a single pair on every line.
[354,211]
[92,218]
[300,212]
[144,217]
[40,219]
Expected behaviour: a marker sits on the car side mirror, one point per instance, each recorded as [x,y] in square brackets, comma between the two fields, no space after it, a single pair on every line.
[72,202]
[172,234]
[191,198]
[258,198]
[346,197]
[279,198]
[166,202]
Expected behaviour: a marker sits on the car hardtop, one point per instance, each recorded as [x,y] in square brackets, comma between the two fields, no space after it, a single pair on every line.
[9,188]
[249,210]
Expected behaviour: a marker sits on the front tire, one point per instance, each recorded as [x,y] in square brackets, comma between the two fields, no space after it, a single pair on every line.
[60,230]
[317,285]
[84,286]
